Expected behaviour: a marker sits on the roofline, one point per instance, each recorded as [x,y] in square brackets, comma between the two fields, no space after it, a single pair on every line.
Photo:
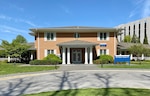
[73,29]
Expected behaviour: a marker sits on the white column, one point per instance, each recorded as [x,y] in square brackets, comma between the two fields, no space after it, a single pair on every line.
[68,55]
[91,55]
[31,58]
[63,55]
[131,57]
[8,58]
[86,56]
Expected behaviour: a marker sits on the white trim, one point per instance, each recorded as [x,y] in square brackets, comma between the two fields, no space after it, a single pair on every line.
[45,52]
[54,36]
[91,55]
[107,51]
[45,36]
[107,36]
[86,56]
[63,55]
[68,55]
[55,52]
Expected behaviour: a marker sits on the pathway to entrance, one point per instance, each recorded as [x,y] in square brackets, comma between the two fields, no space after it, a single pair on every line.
[69,67]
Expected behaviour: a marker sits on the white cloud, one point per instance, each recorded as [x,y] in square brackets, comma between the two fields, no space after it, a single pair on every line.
[142,8]
[146,9]
[12,30]
[8,18]
[5,17]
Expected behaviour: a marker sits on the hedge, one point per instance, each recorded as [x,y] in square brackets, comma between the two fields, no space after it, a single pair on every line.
[104,59]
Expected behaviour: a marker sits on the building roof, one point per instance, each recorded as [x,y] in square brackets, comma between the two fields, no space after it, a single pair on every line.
[32,46]
[125,46]
[77,43]
[73,29]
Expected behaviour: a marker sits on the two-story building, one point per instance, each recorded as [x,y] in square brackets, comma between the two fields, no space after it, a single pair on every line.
[75,44]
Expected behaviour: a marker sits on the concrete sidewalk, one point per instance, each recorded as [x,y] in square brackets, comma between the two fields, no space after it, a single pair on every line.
[69,67]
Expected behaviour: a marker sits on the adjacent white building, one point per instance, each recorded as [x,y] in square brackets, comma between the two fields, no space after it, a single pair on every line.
[139,27]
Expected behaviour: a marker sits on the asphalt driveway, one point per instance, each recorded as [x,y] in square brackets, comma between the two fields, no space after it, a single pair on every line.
[59,80]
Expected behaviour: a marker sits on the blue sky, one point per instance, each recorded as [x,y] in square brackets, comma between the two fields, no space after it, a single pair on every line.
[18,16]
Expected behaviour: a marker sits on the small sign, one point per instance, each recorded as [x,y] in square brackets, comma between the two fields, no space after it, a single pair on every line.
[121,58]
[103,44]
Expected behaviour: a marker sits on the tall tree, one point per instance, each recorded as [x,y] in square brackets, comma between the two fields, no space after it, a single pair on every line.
[135,39]
[145,41]
[16,48]
[127,38]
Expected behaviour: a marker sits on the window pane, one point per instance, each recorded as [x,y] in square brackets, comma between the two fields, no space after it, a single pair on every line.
[48,36]
[104,51]
[48,52]
[52,51]
[105,36]
[101,36]
[52,36]
[76,35]
[101,52]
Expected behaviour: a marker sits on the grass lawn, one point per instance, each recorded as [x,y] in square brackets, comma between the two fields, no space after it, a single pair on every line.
[9,68]
[138,66]
[134,64]
[96,92]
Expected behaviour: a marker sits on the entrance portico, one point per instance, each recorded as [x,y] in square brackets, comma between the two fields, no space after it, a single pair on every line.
[77,52]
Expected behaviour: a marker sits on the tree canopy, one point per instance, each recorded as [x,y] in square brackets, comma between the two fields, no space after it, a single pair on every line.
[127,38]
[16,48]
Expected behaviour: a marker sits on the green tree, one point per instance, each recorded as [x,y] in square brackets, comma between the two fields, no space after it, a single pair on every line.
[135,39]
[16,48]
[145,41]
[138,50]
[127,38]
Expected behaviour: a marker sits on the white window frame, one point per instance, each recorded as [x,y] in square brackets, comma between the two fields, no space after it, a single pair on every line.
[98,52]
[107,36]
[45,36]
[76,35]
[46,51]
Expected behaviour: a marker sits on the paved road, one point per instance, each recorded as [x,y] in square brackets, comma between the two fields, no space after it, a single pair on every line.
[46,81]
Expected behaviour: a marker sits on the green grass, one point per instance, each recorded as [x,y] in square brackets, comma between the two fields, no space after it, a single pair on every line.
[96,92]
[9,68]
[138,66]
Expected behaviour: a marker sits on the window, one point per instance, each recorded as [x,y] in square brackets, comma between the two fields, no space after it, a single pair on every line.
[139,30]
[49,51]
[50,36]
[145,29]
[134,29]
[103,36]
[76,35]
[129,30]
[103,52]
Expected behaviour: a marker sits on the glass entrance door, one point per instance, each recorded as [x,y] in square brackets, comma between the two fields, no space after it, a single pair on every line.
[76,56]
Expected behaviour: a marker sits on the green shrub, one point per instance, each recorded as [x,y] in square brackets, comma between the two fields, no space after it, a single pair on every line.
[97,61]
[53,58]
[105,59]
[40,62]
